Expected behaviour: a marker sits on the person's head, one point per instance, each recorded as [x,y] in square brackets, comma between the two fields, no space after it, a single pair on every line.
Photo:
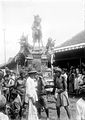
[74,70]
[7,71]
[82,92]
[1,74]
[77,71]
[21,73]
[64,70]
[13,95]
[12,73]
[84,79]
[32,73]
[58,72]
[2,103]
[6,78]
[83,71]
[36,76]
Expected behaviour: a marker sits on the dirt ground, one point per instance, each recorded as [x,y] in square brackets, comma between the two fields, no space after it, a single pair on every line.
[52,110]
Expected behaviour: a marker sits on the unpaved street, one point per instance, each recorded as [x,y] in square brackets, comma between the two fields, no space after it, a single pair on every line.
[52,109]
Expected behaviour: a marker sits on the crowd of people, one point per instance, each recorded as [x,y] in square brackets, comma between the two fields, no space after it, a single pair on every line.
[72,82]
[24,94]
[75,79]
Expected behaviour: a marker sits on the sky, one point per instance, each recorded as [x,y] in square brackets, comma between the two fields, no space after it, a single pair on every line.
[61,20]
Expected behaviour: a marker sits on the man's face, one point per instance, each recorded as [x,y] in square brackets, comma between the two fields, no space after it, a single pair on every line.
[58,73]
[74,70]
[32,75]
[77,71]
[6,78]
[63,71]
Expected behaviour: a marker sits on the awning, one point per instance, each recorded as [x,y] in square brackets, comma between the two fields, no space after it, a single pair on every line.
[70,54]
[67,48]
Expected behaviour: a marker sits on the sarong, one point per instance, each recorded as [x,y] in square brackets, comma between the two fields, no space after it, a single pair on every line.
[62,99]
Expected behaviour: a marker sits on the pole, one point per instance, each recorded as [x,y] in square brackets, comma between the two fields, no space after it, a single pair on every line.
[4,47]
[84,12]
[52,64]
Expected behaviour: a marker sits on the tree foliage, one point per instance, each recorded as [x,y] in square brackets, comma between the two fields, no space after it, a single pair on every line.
[20,59]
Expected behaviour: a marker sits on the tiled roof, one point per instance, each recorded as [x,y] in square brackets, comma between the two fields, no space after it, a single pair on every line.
[78,39]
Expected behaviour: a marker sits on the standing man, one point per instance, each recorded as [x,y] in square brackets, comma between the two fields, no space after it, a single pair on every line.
[31,96]
[42,100]
[64,74]
[61,95]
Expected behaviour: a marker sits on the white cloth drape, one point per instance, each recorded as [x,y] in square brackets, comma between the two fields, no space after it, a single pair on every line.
[32,114]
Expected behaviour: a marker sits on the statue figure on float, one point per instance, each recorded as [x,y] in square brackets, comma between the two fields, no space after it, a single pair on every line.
[36,31]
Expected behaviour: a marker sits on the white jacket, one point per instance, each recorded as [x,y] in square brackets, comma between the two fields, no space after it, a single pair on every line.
[31,89]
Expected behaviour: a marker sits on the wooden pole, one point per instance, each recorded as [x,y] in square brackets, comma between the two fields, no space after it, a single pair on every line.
[51,64]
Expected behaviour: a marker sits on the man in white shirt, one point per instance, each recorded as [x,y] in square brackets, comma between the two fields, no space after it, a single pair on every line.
[31,96]
[80,107]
